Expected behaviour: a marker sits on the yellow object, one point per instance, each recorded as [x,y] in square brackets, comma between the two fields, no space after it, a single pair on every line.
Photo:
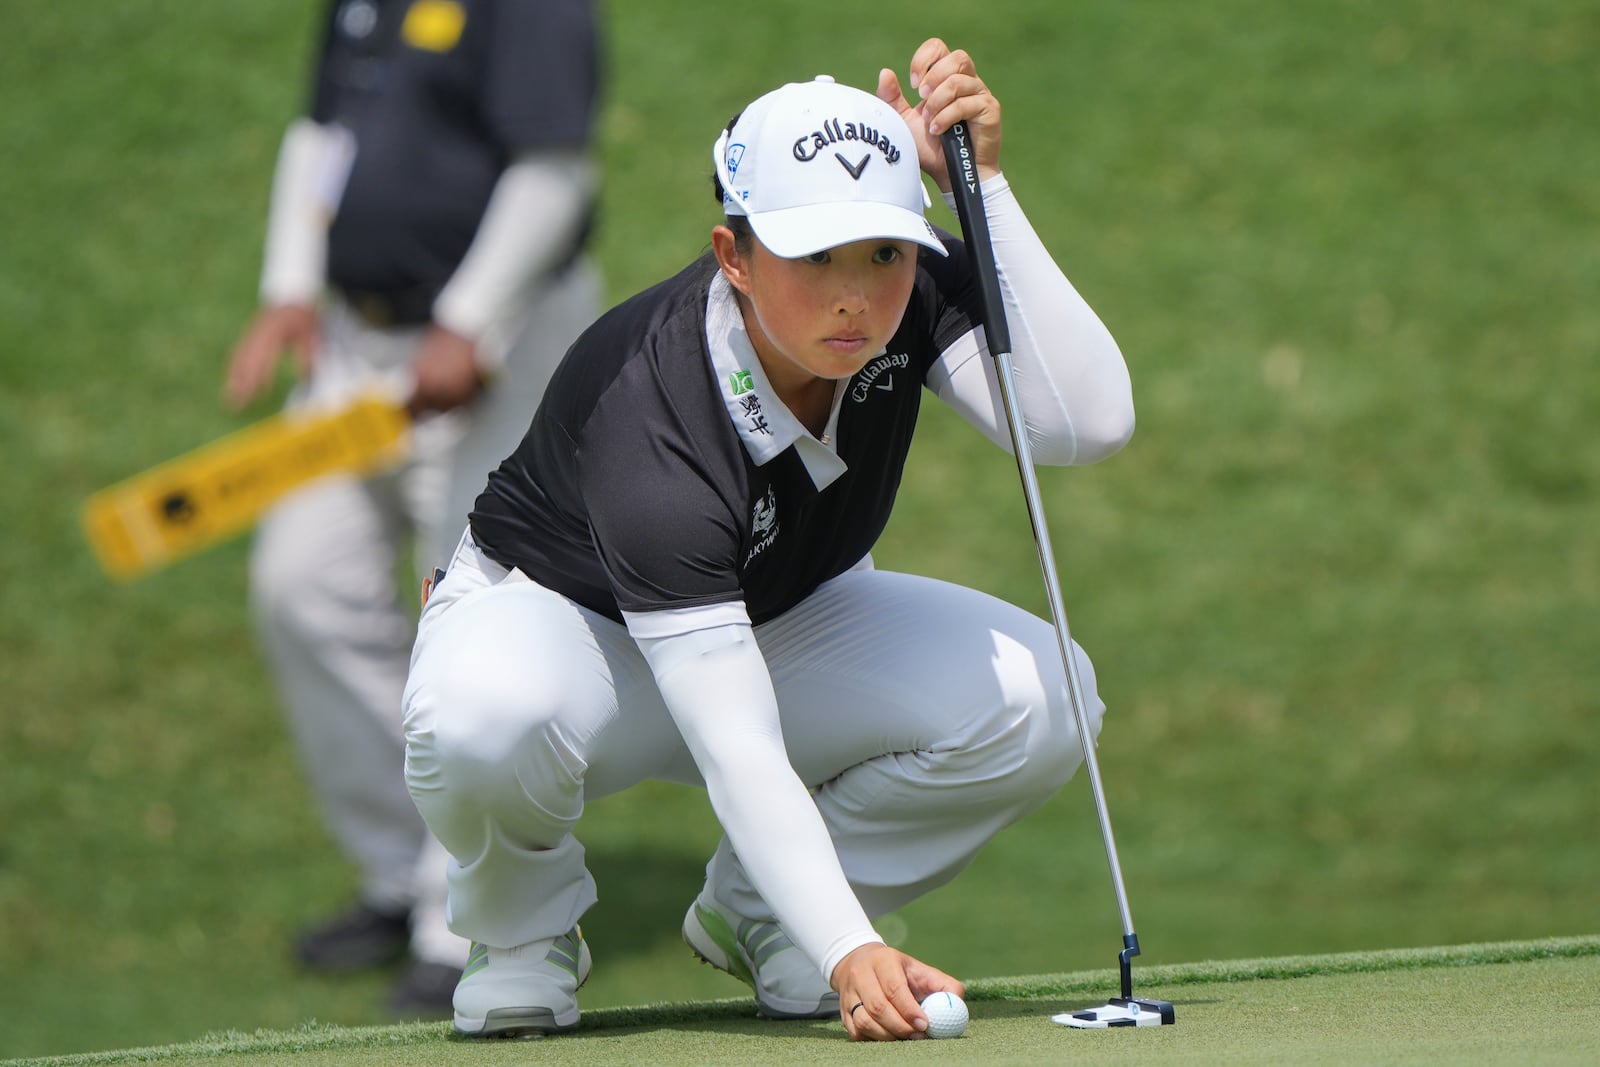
[205,496]
[433,25]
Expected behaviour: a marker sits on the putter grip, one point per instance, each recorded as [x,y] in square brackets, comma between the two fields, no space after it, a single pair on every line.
[961,158]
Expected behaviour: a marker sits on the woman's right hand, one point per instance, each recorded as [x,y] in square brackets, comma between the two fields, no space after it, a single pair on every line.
[881,990]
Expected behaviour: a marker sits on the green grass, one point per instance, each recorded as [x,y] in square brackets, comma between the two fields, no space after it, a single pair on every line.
[1466,1004]
[1341,589]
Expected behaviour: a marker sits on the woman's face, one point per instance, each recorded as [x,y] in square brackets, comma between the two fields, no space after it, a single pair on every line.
[827,314]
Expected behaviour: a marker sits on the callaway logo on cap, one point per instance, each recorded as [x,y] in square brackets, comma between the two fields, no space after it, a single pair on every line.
[814,165]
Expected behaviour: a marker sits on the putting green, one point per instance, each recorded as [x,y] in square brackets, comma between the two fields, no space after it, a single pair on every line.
[1524,1002]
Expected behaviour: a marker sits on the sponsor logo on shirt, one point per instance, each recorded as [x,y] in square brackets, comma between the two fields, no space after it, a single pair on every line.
[876,375]
[763,525]
[433,25]
[741,382]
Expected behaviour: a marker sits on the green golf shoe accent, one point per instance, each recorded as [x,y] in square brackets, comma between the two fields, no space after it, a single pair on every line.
[758,953]
[715,925]
[524,991]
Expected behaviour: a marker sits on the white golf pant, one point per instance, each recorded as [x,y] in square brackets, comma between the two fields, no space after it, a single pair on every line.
[334,617]
[924,716]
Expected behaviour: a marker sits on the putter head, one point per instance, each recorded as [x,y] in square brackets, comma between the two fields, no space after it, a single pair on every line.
[1119,1011]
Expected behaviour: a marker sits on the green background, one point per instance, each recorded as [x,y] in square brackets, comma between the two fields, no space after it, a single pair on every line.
[1340,589]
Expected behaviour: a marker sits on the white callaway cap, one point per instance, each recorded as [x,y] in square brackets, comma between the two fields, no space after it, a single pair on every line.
[816,164]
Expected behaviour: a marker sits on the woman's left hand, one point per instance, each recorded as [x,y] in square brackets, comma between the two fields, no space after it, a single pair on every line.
[950,92]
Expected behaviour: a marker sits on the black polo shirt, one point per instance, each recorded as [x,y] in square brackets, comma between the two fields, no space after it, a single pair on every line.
[440,94]
[660,473]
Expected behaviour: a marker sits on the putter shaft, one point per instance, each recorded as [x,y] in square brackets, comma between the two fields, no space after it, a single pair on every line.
[961,160]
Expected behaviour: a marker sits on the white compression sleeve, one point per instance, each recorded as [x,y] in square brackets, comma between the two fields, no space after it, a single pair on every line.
[716,685]
[533,216]
[1072,384]
[296,249]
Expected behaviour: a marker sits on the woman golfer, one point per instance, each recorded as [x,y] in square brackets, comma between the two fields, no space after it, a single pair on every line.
[669,579]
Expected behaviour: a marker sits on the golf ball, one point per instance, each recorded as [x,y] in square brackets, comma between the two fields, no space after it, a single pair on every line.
[947,1015]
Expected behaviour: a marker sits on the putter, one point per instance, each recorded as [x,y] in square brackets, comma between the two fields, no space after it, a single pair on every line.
[961,159]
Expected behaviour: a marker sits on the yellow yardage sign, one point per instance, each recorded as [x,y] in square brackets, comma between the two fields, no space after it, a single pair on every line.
[220,489]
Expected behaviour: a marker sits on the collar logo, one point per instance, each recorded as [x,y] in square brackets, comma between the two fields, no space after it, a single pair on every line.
[741,382]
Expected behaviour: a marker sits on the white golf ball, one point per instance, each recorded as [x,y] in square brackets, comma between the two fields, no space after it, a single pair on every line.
[947,1015]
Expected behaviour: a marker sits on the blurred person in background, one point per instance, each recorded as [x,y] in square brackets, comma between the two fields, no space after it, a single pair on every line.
[425,239]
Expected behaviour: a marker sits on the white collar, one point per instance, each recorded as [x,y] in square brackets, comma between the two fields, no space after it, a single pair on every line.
[764,423]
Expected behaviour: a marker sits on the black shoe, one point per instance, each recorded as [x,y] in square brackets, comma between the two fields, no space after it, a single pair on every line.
[424,991]
[357,940]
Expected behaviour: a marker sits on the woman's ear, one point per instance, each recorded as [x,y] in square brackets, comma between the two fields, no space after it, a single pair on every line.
[735,266]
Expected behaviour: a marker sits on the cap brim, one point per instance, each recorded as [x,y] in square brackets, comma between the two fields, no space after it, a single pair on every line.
[800,231]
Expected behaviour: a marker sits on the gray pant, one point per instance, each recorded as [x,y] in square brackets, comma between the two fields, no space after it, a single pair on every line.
[925,716]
